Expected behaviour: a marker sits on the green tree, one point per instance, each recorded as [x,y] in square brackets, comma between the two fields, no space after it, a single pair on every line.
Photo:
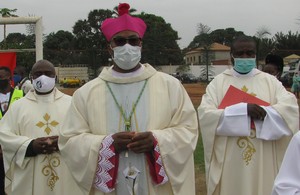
[5,12]
[202,38]
[222,36]
[287,44]
[59,47]
[204,41]
[260,34]
[21,41]
[203,29]
[267,45]
[90,43]
[160,45]
[225,36]
[183,68]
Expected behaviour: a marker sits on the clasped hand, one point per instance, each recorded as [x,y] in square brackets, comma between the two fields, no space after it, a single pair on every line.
[256,112]
[45,145]
[133,141]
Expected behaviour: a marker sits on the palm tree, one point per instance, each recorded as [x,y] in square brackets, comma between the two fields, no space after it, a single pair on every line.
[261,34]
[5,13]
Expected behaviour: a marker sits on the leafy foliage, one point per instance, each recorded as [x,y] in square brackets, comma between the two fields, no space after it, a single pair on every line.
[21,41]
[287,44]
[183,68]
[58,47]
[281,44]
[222,36]
[159,43]
[90,43]
[87,45]
[225,36]
[5,12]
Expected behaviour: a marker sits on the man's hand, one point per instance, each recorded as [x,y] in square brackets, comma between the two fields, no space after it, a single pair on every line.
[121,140]
[53,143]
[45,145]
[142,142]
[256,112]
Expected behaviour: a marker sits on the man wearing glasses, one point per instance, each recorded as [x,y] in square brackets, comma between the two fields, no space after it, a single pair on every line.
[134,129]
[245,140]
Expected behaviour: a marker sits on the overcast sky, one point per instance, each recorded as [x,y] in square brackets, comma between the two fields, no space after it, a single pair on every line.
[183,15]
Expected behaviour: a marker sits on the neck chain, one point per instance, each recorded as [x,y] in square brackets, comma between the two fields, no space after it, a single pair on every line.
[127,120]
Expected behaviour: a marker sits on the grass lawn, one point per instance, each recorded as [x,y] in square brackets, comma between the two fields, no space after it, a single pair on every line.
[199,154]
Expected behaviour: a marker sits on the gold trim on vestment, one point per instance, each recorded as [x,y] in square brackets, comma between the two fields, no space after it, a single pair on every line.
[249,149]
[245,141]
[48,170]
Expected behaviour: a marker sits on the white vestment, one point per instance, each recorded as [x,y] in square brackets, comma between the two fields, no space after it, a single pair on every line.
[29,118]
[287,181]
[164,108]
[240,160]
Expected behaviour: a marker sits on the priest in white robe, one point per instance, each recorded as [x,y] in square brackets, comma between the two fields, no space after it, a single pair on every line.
[287,181]
[132,130]
[29,135]
[244,143]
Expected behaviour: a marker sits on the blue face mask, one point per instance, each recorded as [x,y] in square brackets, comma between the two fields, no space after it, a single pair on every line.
[244,65]
[17,79]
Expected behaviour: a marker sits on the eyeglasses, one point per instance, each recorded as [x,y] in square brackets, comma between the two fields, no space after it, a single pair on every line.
[120,41]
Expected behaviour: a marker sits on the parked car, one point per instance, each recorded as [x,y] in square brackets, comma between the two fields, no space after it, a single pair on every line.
[188,78]
[203,77]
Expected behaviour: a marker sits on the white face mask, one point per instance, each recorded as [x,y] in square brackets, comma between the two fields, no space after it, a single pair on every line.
[127,57]
[43,84]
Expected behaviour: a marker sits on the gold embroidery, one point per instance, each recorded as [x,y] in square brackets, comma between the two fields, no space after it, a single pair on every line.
[245,142]
[48,170]
[249,149]
[48,123]
[245,89]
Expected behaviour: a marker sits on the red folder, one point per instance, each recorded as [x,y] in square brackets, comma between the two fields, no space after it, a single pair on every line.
[235,96]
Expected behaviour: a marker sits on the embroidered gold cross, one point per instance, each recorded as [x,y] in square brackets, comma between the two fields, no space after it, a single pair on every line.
[48,123]
[245,89]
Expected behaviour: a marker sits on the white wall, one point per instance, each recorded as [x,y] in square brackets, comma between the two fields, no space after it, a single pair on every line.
[72,72]
[195,69]
[82,72]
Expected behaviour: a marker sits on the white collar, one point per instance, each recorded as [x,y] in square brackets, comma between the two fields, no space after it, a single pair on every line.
[129,74]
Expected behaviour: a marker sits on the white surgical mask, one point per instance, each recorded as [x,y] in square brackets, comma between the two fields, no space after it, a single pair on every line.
[127,57]
[43,84]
